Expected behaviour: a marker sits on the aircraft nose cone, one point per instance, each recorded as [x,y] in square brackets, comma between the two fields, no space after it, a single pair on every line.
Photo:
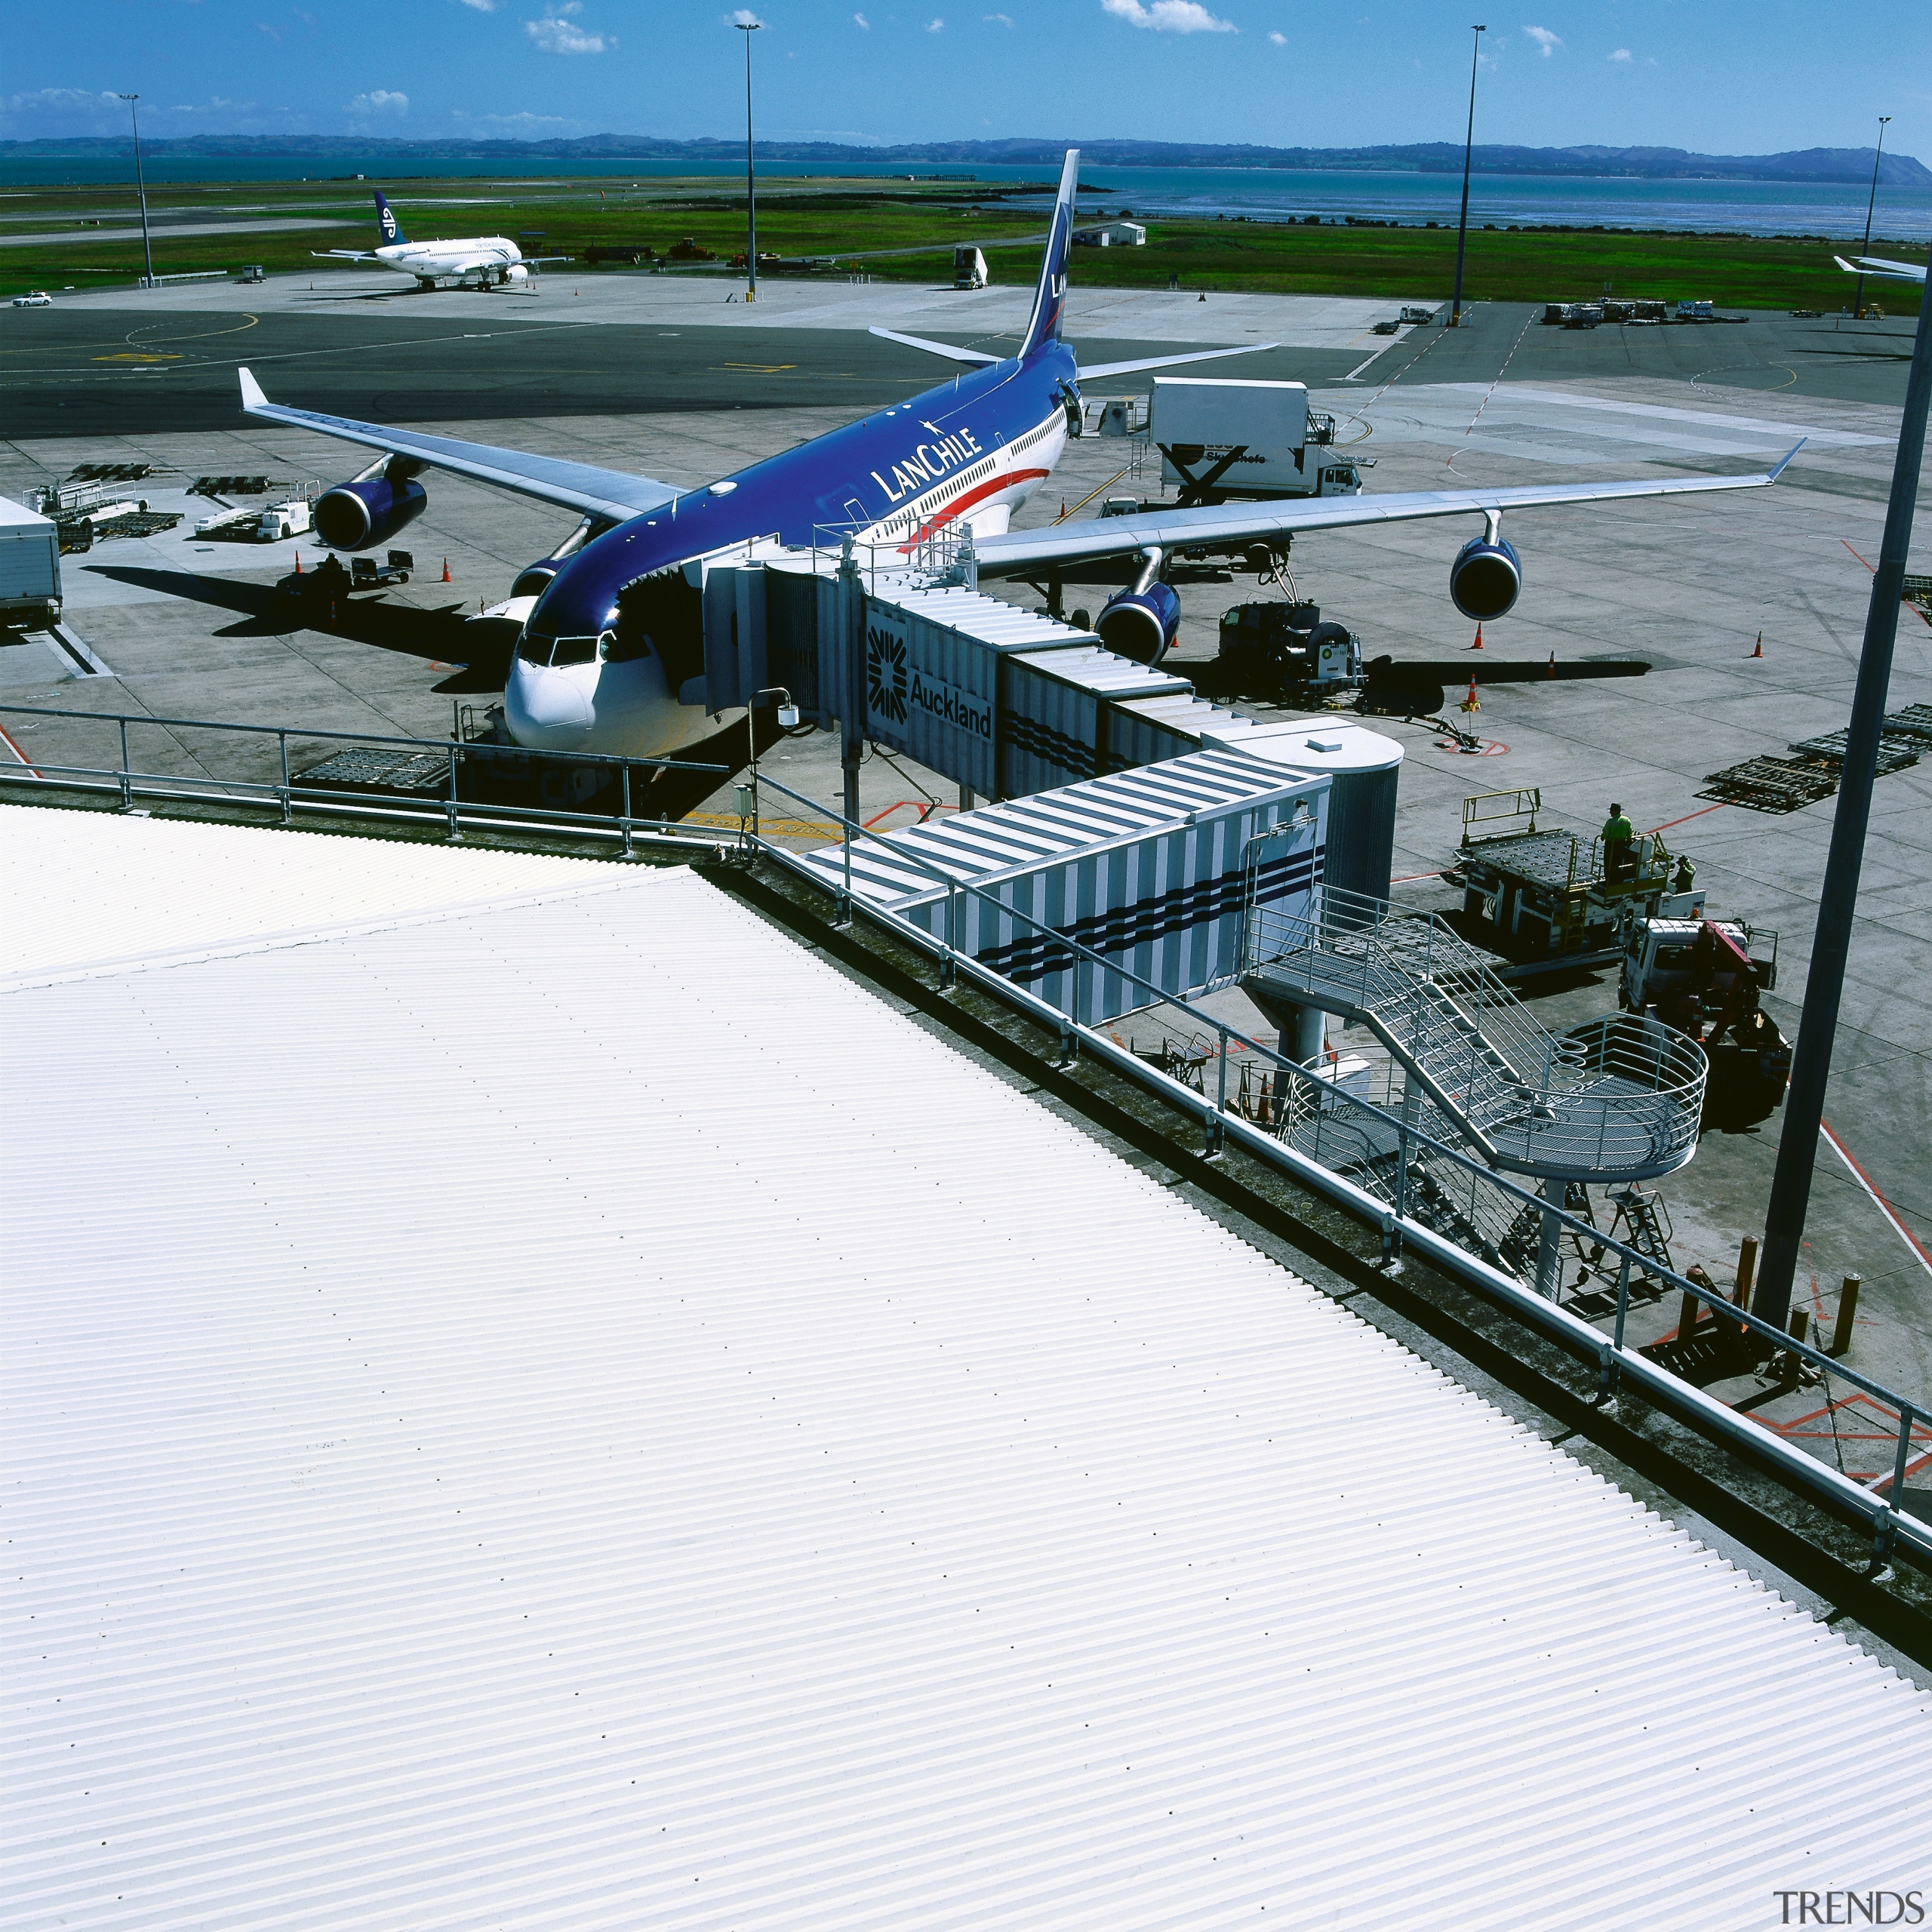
[548,710]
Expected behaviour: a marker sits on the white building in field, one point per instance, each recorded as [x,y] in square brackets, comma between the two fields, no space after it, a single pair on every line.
[1112,235]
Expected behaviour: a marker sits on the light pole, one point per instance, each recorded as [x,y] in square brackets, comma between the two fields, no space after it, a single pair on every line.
[1858,291]
[1469,145]
[1838,901]
[747,28]
[140,182]
[788,716]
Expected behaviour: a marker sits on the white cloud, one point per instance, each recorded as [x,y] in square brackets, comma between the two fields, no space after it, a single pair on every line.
[1168,16]
[743,17]
[380,100]
[999,19]
[555,34]
[860,20]
[935,26]
[1279,39]
[1623,53]
[483,6]
[1545,41]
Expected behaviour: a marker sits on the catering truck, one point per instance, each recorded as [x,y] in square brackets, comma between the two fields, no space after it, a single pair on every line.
[1218,439]
[29,569]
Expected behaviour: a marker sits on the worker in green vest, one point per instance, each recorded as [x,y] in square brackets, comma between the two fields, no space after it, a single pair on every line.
[1619,836]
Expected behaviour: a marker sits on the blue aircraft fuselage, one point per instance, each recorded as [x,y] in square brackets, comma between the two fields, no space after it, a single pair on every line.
[967,451]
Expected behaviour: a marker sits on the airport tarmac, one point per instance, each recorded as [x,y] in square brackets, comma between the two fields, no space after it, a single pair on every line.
[191,629]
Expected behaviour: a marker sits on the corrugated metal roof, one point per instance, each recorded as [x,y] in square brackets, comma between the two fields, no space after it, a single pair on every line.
[575,1415]
[993,840]
[81,897]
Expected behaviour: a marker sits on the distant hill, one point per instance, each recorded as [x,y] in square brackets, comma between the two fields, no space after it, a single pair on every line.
[1852,164]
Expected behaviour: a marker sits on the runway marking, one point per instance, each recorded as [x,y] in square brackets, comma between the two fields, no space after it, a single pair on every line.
[17,752]
[1686,819]
[131,355]
[1860,559]
[1884,1206]
[1450,459]
[753,368]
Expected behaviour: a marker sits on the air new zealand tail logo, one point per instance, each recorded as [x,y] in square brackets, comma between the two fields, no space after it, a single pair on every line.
[389,224]
[885,674]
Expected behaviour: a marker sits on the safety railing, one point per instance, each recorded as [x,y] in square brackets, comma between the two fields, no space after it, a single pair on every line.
[1623,1097]
[1391,1172]
[282,791]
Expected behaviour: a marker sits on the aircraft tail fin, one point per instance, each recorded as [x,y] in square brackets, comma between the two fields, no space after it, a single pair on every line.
[386,224]
[1050,297]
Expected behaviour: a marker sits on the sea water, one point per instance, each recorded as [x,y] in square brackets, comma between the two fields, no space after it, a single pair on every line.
[1831,208]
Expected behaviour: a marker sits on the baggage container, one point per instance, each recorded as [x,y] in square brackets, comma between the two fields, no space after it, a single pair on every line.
[29,568]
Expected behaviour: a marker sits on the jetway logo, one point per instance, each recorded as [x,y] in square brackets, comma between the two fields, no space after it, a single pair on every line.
[893,688]
[885,674]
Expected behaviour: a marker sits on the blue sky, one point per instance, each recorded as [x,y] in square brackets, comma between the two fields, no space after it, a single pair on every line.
[1716,75]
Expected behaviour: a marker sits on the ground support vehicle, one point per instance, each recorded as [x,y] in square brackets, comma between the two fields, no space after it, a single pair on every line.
[1547,892]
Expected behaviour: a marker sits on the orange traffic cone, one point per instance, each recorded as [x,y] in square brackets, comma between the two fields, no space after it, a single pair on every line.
[446,570]
[298,563]
[1472,703]
[1759,651]
[1478,644]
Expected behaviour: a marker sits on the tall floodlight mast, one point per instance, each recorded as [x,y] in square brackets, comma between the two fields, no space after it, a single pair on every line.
[747,28]
[1469,147]
[1858,289]
[140,183]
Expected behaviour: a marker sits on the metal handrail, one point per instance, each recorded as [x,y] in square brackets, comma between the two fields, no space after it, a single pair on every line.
[128,784]
[1622,1096]
[1615,1360]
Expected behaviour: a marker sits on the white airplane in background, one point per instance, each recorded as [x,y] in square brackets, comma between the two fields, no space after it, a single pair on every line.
[489,260]
[1877,266]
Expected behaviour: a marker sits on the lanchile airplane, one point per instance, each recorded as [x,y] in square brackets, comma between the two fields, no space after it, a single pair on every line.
[489,260]
[610,655]
[1877,266]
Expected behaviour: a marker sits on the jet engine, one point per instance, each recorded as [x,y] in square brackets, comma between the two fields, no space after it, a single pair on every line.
[358,515]
[1143,621]
[516,275]
[1486,577]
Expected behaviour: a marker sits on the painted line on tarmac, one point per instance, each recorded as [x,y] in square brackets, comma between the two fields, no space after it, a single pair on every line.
[1884,1206]
[1686,818]
[17,752]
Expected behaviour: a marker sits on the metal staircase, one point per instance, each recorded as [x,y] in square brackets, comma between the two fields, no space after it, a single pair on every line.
[1620,1099]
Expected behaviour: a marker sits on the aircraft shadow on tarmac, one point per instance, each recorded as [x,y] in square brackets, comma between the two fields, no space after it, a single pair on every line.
[439,637]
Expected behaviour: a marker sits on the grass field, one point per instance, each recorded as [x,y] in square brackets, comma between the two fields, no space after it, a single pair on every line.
[855,223]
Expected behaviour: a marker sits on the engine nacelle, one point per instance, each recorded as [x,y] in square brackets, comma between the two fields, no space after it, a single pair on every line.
[1486,579]
[516,274]
[355,516]
[1141,623]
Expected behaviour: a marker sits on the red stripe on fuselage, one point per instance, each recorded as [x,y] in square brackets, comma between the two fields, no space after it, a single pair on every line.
[990,487]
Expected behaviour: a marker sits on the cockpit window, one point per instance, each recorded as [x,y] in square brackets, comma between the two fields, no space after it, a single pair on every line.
[534,650]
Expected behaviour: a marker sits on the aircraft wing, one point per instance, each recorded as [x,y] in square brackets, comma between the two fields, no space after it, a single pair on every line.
[343,255]
[1089,371]
[946,349]
[614,493]
[1086,373]
[1026,552]
[1876,265]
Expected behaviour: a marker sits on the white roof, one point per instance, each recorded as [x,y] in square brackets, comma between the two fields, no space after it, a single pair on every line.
[13,515]
[573,1414]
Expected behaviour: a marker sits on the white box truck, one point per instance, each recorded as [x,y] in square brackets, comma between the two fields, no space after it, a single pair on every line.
[29,569]
[1197,422]
[969,268]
